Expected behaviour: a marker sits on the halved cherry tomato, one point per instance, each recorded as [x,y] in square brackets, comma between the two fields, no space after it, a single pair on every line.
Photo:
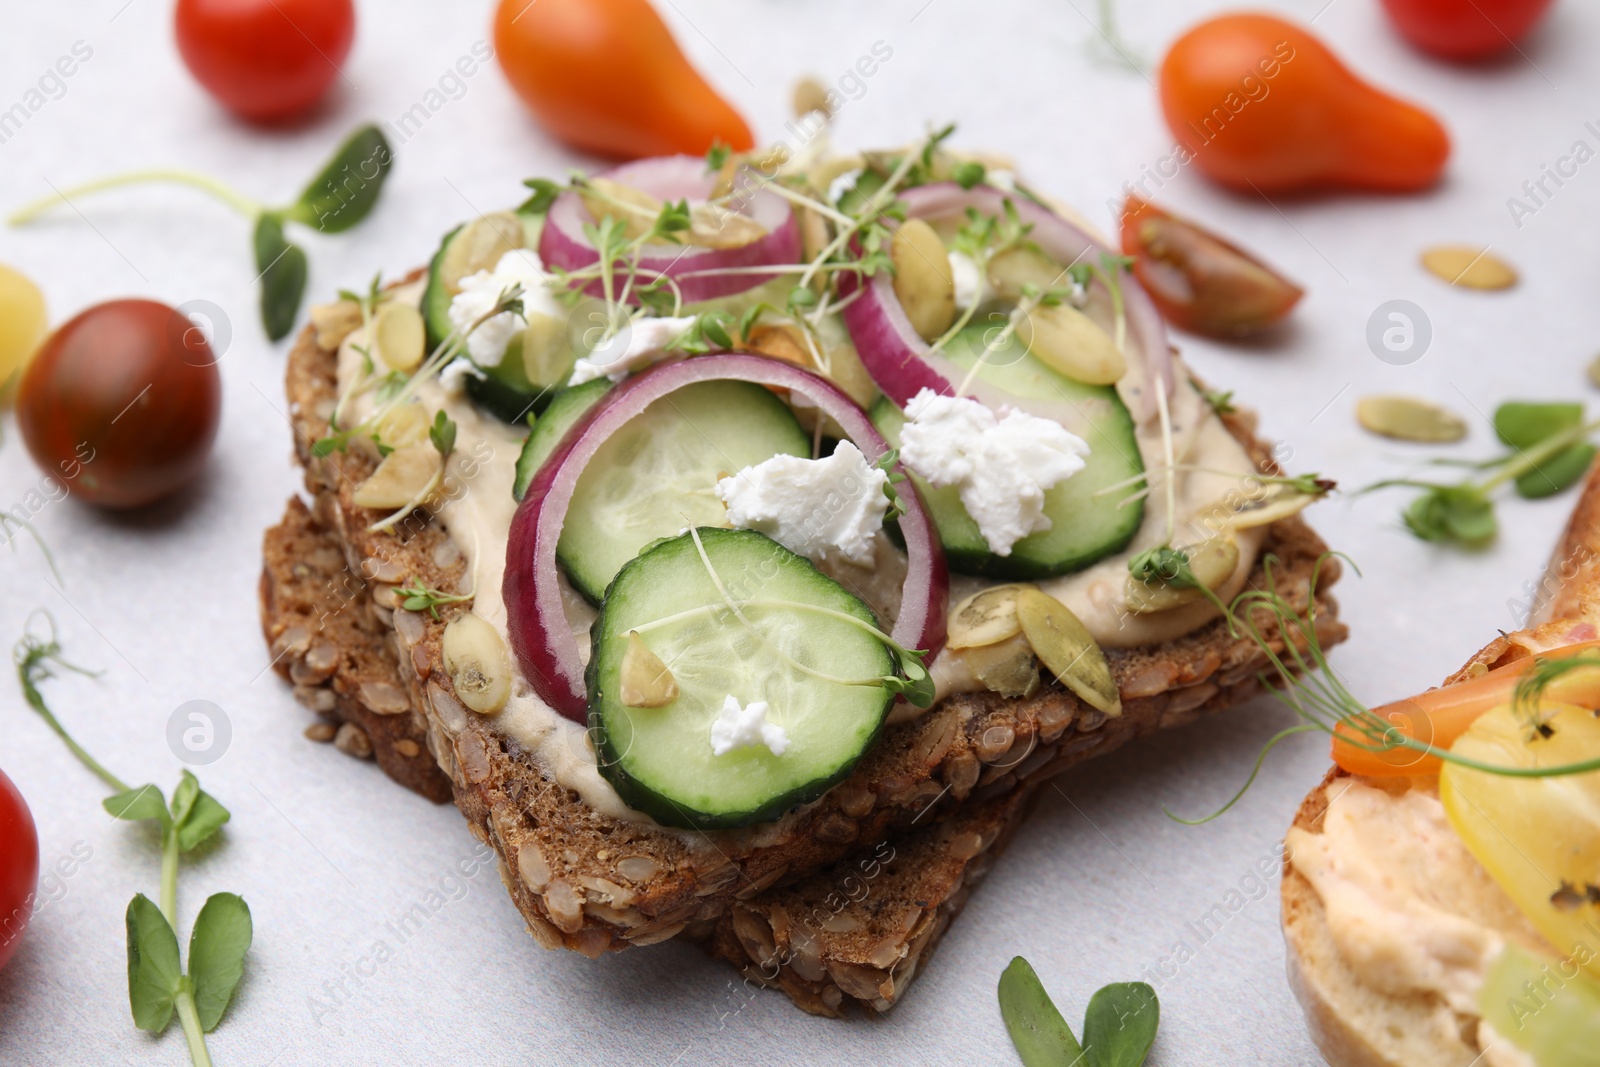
[1263,106]
[606,76]
[1465,29]
[1200,281]
[265,60]
[19,867]
[121,405]
[1439,716]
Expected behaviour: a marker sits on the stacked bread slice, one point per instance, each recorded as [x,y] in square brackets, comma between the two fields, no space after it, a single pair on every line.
[918,822]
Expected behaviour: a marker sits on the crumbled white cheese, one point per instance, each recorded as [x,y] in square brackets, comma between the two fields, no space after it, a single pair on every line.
[964,272]
[814,507]
[746,727]
[1002,179]
[842,184]
[638,344]
[1002,463]
[486,345]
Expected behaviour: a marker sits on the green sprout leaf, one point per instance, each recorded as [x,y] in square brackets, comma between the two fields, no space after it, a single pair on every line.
[203,820]
[1164,565]
[346,189]
[1041,1035]
[1463,514]
[283,270]
[968,174]
[221,937]
[154,976]
[545,192]
[1521,424]
[442,433]
[717,156]
[1120,1025]
[1559,472]
[1221,403]
[137,805]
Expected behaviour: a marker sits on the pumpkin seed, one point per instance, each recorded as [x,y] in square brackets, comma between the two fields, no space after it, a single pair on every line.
[1594,371]
[1071,343]
[404,475]
[1020,268]
[1277,503]
[1008,667]
[923,282]
[811,95]
[1468,267]
[479,666]
[713,226]
[779,341]
[399,336]
[402,425]
[984,618]
[646,682]
[634,208]
[479,246]
[547,356]
[1405,418]
[1067,649]
[1212,562]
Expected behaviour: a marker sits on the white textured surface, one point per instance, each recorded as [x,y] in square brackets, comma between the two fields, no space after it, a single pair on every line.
[1098,888]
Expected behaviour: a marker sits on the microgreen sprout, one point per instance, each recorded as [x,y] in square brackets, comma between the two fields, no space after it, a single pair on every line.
[1119,1026]
[340,196]
[158,985]
[418,597]
[1549,451]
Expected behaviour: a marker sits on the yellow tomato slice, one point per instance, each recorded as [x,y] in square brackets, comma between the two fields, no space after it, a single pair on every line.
[1538,837]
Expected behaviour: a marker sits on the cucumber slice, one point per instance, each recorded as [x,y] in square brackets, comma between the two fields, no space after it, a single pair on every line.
[660,759]
[655,476]
[506,391]
[1084,527]
[566,407]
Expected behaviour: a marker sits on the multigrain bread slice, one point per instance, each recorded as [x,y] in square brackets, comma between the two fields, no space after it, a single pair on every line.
[855,933]
[1353,1024]
[594,883]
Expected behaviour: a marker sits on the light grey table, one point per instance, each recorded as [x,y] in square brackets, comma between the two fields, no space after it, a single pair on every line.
[1101,886]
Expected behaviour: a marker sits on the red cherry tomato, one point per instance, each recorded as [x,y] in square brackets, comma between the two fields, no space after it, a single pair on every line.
[19,867]
[121,404]
[1465,29]
[265,60]
[606,76]
[1201,282]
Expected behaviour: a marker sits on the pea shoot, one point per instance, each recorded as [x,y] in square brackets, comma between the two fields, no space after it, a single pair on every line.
[1549,452]
[341,195]
[158,984]
[1119,1026]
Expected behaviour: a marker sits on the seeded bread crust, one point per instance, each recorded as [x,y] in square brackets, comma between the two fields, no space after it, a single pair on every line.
[592,883]
[1351,1024]
[857,932]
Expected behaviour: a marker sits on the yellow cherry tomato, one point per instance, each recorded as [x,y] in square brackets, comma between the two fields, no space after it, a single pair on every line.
[1538,837]
[23,321]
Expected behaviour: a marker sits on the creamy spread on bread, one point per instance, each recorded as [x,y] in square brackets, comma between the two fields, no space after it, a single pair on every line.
[1212,465]
[1409,909]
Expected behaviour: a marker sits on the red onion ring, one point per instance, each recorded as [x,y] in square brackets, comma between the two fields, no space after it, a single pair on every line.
[902,364]
[544,643]
[563,245]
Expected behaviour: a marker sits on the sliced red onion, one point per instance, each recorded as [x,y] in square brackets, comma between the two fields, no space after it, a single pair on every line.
[902,363]
[544,643]
[562,243]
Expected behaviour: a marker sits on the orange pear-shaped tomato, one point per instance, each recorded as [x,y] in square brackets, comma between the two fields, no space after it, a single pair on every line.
[606,76]
[1260,104]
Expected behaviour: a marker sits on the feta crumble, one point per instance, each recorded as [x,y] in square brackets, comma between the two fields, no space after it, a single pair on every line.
[964,273]
[813,507]
[486,346]
[1002,463]
[746,727]
[638,344]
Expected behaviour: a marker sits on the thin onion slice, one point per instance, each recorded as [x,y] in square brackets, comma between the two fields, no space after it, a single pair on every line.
[902,363]
[698,271]
[545,645]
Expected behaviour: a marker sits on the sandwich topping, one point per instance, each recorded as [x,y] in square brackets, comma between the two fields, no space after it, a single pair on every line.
[767,423]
